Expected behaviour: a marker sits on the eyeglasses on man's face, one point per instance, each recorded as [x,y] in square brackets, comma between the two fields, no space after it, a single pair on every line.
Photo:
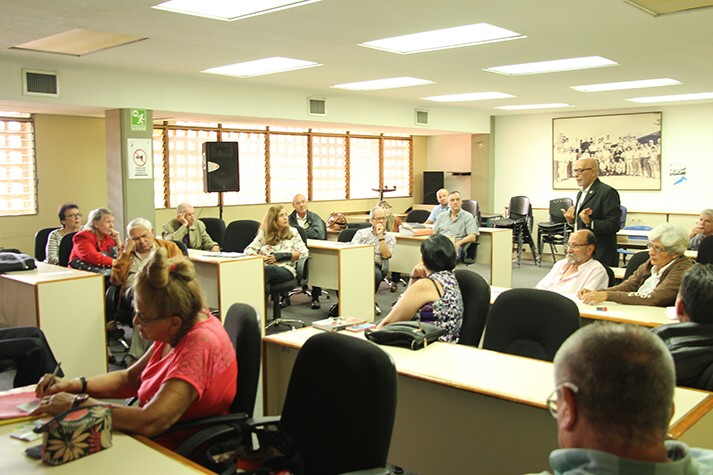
[657,249]
[578,171]
[576,246]
[554,396]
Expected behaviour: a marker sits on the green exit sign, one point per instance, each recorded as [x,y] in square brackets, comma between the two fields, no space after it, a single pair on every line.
[138,119]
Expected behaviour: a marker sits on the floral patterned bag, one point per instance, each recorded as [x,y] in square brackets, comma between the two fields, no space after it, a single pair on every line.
[75,433]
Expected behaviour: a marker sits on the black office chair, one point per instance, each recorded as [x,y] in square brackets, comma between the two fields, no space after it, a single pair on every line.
[332,376]
[359,225]
[277,290]
[242,322]
[65,249]
[531,323]
[346,235]
[520,221]
[182,246]
[622,222]
[705,251]
[41,237]
[610,275]
[476,304]
[417,216]
[705,380]
[635,262]
[215,227]
[470,253]
[555,231]
[239,234]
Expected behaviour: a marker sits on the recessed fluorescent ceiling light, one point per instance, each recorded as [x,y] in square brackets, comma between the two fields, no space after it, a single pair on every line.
[79,42]
[533,106]
[618,86]
[660,7]
[472,96]
[556,65]
[260,67]
[455,37]
[674,98]
[376,84]
[228,10]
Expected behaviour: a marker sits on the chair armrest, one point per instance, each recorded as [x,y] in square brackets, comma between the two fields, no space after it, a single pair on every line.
[302,276]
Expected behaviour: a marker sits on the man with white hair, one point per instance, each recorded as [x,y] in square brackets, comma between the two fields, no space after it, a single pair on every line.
[613,402]
[442,197]
[657,280]
[702,230]
[189,230]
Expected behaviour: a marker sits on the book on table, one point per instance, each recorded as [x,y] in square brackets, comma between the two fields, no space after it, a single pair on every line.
[334,324]
[415,229]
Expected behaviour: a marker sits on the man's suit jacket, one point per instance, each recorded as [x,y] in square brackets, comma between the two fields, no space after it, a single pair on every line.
[605,220]
[198,237]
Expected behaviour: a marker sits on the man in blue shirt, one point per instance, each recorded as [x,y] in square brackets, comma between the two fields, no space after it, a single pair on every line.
[457,224]
[613,402]
[442,197]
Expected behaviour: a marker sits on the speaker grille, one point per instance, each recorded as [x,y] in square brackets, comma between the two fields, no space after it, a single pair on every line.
[421,117]
[40,83]
[317,106]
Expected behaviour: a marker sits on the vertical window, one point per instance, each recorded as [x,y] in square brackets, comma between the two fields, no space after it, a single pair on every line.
[397,167]
[18,176]
[363,168]
[288,166]
[251,163]
[328,164]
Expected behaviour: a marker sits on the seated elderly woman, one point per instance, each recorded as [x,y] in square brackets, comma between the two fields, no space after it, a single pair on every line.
[189,372]
[71,220]
[432,291]
[280,245]
[98,241]
[657,280]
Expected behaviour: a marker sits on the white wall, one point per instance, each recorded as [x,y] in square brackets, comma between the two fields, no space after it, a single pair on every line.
[523,160]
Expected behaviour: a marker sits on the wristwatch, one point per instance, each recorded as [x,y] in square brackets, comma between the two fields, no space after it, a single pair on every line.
[79,399]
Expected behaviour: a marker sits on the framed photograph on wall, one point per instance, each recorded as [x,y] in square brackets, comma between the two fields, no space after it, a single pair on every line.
[626,146]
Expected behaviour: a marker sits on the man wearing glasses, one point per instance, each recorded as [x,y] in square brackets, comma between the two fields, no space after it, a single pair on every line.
[596,208]
[578,270]
[657,280]
[613,402]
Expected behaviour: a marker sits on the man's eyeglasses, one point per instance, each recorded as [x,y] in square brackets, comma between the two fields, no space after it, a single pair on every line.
[379,219]
[657,249]
[578,171]
[576,246]
[554,396]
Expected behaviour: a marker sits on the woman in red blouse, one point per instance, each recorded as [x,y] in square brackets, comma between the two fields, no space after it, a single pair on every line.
[98,241]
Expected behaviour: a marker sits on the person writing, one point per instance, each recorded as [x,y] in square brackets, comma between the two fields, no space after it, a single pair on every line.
[657,280]
[190,371]
[280,246]
[71,220]
[433,292]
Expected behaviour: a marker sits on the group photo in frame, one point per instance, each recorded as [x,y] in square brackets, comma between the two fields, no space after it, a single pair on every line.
[627,148]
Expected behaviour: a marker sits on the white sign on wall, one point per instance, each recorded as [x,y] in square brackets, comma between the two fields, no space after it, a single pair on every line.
[140,159]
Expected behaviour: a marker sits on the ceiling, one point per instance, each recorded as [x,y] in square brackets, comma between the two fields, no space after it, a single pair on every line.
[676,46]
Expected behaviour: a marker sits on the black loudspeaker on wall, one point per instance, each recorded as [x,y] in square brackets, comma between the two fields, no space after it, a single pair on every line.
[221,171]
[432,182]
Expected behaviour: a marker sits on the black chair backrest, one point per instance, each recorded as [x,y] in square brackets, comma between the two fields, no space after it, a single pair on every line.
[215,227]
[359,225]
[346,235]
[239,234]
[519,207]
[530,322]
[610,274]
[705,380]
[473,208]
[182,246]
[622,223]
[417,216]
[41,243]
[332,376]
[303,233]
[65,249]
[705,251]
[556,207]
[242,322]
[635,262]
[476,303]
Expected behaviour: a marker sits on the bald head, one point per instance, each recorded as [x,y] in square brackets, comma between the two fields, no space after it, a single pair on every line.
[299,203]
[585,171]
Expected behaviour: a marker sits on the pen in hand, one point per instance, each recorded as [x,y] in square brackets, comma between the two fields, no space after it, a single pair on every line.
[54,376]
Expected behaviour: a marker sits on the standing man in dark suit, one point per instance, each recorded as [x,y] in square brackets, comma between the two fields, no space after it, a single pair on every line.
[596,208]
[314,229]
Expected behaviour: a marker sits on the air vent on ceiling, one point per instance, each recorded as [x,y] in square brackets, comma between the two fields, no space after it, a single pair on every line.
[421,116]
[40,83]
[316,106]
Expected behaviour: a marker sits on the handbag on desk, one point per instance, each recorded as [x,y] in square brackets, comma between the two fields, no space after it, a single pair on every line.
[75,433]
[414,334]
[11,261]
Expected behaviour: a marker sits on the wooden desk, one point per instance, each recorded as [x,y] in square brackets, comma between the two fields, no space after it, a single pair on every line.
[127,455]
[458,406]
[644,315]
[495,249]
[348,268]
[68,305]
[228,280]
